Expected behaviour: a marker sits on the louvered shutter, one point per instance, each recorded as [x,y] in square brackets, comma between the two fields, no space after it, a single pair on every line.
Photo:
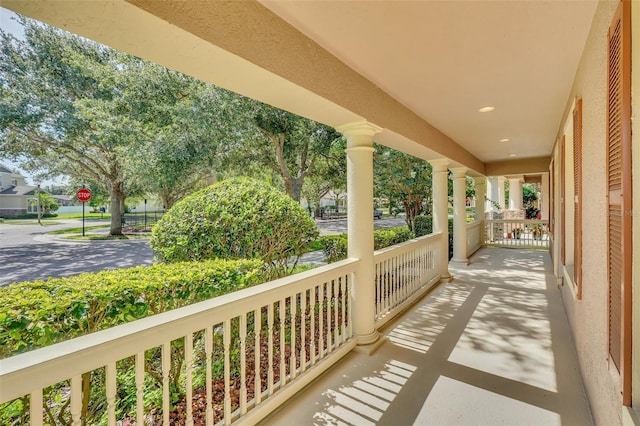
[619,196]
[577,197]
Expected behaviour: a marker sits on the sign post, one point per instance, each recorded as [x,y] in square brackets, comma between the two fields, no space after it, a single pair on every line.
[83,195]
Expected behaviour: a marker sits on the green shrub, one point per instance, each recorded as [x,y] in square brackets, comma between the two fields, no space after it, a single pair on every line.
[40,313]
[237,218]
[335,246]
[423,225]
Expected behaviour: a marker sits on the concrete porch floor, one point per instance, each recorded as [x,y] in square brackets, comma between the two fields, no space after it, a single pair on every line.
[492,347]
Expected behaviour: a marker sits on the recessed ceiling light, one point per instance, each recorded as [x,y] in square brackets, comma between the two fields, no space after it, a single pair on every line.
[512,155]
[505,140]
[486,109]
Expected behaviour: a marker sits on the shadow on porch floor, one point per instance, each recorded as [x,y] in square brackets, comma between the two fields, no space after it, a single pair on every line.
[491,347]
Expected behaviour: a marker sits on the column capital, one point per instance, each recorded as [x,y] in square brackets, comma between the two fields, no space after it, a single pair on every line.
[519,178]
[439,164]
[359,128]
[480,180]
[458,172]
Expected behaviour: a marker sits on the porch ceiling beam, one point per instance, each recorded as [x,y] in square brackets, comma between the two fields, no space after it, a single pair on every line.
[246,48]
[518,167]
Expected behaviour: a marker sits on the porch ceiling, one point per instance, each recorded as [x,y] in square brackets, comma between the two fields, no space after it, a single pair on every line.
[446,59]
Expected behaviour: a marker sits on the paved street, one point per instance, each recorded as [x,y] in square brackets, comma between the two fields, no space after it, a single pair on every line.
[27,253]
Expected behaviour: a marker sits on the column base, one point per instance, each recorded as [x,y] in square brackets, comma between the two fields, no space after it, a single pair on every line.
[369,344]
[462,261]
[446,277]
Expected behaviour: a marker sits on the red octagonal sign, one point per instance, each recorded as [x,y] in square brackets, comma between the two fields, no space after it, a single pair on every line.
[83,195]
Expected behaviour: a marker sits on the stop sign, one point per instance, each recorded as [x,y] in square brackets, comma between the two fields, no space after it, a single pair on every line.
[83,195]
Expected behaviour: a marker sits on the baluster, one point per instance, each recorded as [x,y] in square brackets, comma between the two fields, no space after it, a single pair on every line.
[243,363]
[257,330]
[35,407]
[336,306]
[188,360]
[139,388]
[293,367]
[328,311]
[321,321]
[394,282]
[76,400]
[283,367]
[270,347]
[387,286]
[343,312]
[378,283]
[209,352]
[226,342]
[166,361]
[303,331]
[111,393]
[312,306]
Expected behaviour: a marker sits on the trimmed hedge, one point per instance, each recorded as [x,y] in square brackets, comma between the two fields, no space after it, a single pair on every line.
[335,246]
[39,313]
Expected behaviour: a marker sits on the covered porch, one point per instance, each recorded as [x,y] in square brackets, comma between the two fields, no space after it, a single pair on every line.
[493,346]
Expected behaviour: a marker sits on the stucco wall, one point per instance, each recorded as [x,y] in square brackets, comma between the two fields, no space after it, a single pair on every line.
[589,316]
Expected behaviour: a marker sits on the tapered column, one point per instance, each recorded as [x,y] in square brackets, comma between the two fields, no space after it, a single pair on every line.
[544,202]
[441,211]
[515,192]
[459,215]
[360,226]
[480,196]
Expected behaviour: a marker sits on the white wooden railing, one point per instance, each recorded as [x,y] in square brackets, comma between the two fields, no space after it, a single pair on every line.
[525,233]
[403,273]
[475,237]
[249,351]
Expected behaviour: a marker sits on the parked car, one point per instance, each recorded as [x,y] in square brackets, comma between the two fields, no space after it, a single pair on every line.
[377,214]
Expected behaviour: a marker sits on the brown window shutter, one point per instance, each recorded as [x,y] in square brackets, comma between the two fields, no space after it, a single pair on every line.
[577,197]
[619,195]
[562,204]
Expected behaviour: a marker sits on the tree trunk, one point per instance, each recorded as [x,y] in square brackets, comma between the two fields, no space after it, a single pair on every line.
[117,199]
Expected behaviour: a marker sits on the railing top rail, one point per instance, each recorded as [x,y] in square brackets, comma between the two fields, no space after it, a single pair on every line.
[62,360]
[529,221]
[405,246]
[474,223]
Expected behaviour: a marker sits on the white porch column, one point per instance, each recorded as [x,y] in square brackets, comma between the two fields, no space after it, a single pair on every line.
[459,215]
[360,226]
[515,192]
[493,194]
[501,200]
[480,196]
[441,211]
[544,202]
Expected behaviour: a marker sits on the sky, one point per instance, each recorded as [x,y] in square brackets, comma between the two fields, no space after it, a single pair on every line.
[9,24]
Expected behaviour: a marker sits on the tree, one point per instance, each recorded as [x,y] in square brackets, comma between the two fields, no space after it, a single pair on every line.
[399,176]
[294,145]
[60,108]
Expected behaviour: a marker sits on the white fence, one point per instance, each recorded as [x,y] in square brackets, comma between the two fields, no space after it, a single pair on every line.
[527,233]
[403,273]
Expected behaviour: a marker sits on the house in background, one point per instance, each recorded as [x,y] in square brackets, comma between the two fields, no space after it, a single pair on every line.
[16,197]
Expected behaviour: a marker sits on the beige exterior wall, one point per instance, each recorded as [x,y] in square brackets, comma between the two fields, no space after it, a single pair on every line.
[13,202]
[589,317]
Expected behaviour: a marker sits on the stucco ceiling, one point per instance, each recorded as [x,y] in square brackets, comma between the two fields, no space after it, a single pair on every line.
[446,59]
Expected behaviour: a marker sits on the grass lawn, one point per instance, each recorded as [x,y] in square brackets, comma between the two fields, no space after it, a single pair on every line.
[28,222]
[104,237]
[87,216]
[77,230]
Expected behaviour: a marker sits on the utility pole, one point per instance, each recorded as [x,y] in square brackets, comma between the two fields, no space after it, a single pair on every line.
[39,206]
